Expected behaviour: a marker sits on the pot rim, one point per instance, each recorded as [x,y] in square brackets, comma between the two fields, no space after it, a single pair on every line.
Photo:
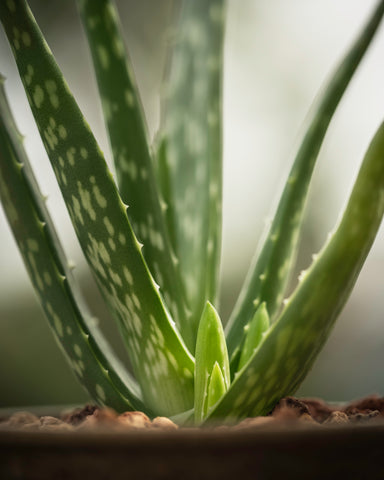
[261,435]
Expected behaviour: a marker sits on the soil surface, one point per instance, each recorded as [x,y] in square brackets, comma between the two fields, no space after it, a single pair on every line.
[289,411]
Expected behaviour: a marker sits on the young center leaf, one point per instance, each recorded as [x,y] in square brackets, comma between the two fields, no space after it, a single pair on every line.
[211,355]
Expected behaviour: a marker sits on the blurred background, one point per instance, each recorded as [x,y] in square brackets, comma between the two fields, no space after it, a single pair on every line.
[277,55]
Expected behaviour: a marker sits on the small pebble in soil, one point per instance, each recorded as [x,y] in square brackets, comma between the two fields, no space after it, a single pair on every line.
[164,423]
[336,418]
[134,420]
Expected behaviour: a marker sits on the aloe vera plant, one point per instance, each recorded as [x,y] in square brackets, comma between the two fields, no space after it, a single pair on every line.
[152,235]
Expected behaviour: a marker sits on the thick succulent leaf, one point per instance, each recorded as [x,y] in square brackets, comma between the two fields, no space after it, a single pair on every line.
[293,342]
[183,418]
[124,118]
[89,356]
[255,331]
[269,272]
[159,357]
[216,387]
[211,350]
[190,150]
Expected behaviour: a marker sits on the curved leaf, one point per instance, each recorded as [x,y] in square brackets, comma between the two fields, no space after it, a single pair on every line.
[124,118]
[86,350]
[160,360]
[292,344]
[269,272]
[190,149]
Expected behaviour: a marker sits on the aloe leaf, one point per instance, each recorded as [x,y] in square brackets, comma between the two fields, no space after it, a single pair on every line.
[158,355]
[183,418]
[289,349]
[190,150]
[211,350]
[269,272]
[216,387]
[124,118]
[85,348]
[257,327]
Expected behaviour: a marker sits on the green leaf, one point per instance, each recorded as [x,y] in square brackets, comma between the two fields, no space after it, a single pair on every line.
[211,349]
[124,118]
[159,357]
[254,334]
[183,418]
[86,350]
[190,149]
[269,272]
[216,387]
[288,351]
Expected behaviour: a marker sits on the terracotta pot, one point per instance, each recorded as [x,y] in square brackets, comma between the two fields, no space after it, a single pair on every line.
[346,452]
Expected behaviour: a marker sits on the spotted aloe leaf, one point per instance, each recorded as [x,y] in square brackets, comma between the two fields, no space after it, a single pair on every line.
[269,273]
[287,352]
[86,350]
[124,118]
[158,355]
[190,151]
